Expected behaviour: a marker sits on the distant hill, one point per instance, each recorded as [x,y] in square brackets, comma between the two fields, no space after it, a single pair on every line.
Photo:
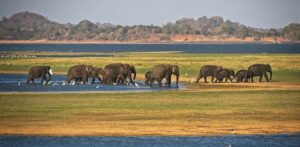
[31,26]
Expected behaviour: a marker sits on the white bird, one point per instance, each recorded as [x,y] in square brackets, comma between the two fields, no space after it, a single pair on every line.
[55,84]
[115,83]
[97,86]
[19,83]
[136,84]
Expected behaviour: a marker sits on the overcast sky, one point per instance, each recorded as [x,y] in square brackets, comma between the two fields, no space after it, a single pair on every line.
[255,13]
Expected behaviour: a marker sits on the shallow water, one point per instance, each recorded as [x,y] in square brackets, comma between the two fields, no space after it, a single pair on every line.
[17,83]
[286,140]
[186,48]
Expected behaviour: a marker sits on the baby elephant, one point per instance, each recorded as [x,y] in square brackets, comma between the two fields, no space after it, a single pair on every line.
[147,77]
[39,71]
[225,73]
[244,76]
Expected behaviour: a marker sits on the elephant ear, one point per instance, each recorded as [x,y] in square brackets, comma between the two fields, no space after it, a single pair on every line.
[86,68]
[175,68]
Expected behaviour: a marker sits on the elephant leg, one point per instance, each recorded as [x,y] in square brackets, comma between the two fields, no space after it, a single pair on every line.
[169,81]
[151,82]
[98,77]
[230,80]
[159,82]
[266,77]
[212,78]
[198,79]
[43,78]
[28,80]
[85,79]
[68,80]
[217,79]
[260,78]
[205,79]
[252,79]
[93,80]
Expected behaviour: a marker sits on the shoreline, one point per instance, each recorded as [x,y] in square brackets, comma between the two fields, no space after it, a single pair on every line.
[134,42]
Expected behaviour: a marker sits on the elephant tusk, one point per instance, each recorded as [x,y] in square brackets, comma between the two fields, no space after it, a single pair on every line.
[50,71]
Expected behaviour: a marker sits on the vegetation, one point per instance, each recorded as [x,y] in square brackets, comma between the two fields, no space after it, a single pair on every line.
[31,26]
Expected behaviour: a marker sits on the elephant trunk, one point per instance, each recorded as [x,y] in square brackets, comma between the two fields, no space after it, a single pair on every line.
[270,75]
[134,74]
[132,68]
[49,78]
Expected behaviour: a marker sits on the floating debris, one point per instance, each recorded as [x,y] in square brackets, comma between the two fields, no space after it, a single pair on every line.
[55,84]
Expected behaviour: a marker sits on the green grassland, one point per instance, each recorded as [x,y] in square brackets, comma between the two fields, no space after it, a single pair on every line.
[199,109]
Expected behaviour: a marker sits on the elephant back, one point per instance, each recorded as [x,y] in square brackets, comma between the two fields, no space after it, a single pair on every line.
[77,71]
[160,69]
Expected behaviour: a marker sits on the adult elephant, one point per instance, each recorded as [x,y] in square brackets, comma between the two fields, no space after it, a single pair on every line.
[79,72]
[261,70]
[208,70]
[161,71]
[95,74]
[39,71]
[118,72]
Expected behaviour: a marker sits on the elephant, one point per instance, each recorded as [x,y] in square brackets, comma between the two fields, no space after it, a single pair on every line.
[39,71]
[261,70]
[208,70]
[81,72]
[95,74]
[244,76]
[147,77]
[161,71]
[118,72]
[225,73]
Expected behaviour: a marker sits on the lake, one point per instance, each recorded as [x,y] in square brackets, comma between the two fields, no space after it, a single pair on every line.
[286,140]
[17,83]
[186,48]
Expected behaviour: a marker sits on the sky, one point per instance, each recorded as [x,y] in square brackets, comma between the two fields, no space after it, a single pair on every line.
[254,13]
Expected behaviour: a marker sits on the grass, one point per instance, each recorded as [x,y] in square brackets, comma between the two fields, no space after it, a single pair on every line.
[157,113]
[200,109]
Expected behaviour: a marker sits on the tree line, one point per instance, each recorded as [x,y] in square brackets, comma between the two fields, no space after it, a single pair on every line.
[31,26]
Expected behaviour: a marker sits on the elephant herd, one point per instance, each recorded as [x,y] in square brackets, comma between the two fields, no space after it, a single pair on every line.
[119,73]
[221,73]
[116,73]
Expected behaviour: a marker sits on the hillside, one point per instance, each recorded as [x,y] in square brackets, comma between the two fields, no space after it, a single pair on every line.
[33,27]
